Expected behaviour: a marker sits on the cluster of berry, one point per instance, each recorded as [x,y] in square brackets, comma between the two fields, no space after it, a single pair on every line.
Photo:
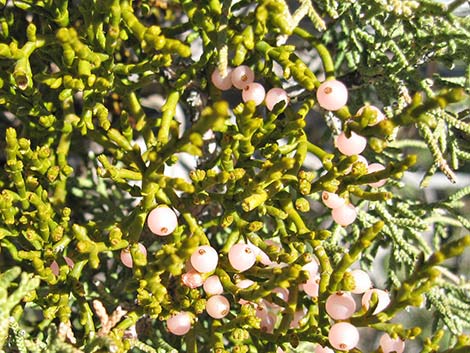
[242,77]
[333,95]
[340,306]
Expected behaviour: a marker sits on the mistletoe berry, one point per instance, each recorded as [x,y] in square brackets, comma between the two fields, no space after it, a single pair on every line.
[223,83]
[362,281]
[253,92]
[126,256]
[352,145]
[162,221]
[274,96]
[217,306]
[343,336]
[241,257]
[213,286]
[205,259]
[241,76]
[320,349]
[390,345]
[332,200]
[192,279]
[375,167]
[340,306]
[179,324]
[382,296]
[311,286]
[332,95]
[344,215]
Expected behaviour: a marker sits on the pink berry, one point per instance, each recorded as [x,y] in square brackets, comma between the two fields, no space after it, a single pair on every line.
[380,116]
[223,83]
[282,293]
[332,200]
[243,284]
[311,286]
[375,167]
[361,280]
[162,220]
[217,306]
[311,267]
[213,286]
[179,324]
[298,316]
[279,350]
[241,257]
[352,145]
[241,76]
[268,318]
[344,215]
[205,259]
[340,306]
[320,349]
[253,92]
[274,96]
[192,279]
[332,95]
[343,336]
[261,256]
[126,257]
[383,300]
[390,345]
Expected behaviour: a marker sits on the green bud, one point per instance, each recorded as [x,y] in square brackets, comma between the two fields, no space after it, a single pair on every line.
[302,205]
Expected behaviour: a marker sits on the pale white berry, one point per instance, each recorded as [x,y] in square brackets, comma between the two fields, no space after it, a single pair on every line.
[213,286]
[241,76]
[126,256]
[362,281]
[343,336]
[217,306]
[332,200]
[320,349]
[223,83]
[311,267]
[390,345]
[311,286]
[192,279]
[204,259]
[162,220]
[253,92]
[340,306]
[332,95]
[268,318]
[179,324]
[274,96]
[352,145]
[375,167]
[241,257]
[344,215]
[383,299]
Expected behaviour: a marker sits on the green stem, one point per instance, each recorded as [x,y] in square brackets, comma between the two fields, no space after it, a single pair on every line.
[325,56]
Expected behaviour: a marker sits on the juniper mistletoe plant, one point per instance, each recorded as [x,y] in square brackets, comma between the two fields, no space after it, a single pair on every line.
[234,176]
